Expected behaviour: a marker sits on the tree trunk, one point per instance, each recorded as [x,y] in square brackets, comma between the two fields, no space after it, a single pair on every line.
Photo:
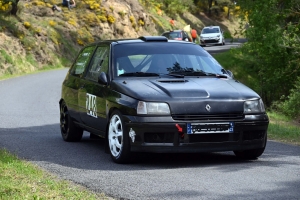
[209,6]
[14,9]
[228,14]
[216,10]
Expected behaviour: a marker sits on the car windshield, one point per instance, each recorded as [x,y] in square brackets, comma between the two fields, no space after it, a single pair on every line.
[173,35]
[210,30]
[163,58]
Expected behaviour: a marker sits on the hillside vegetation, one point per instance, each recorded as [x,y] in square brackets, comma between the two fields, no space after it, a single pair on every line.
[37,37]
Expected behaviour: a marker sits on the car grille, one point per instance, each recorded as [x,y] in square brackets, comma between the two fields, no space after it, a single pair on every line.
[219,117]
[227,137]
[168,137]
[216,137]
[211,41]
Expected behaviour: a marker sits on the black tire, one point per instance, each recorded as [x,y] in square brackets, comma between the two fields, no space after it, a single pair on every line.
[118,138]
[69,131]
[252,153]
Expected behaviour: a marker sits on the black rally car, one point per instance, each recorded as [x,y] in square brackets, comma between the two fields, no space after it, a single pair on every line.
[152,94]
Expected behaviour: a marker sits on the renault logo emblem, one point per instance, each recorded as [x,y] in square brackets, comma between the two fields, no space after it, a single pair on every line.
[207,107]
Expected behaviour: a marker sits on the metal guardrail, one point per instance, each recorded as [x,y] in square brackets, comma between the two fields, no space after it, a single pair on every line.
[238,40]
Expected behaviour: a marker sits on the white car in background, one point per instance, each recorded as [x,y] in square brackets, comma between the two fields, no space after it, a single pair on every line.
[212,35]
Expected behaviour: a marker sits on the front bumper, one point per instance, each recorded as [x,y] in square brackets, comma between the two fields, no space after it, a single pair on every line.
[164,135]
[211,41]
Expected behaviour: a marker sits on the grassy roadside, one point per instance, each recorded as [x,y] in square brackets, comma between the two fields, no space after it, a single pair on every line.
[23,180]
[283,129]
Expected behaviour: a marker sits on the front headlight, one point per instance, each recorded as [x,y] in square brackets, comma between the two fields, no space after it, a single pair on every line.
[152,108]
[254,106]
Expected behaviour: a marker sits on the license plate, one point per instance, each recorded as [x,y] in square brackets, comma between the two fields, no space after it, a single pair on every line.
[203,128]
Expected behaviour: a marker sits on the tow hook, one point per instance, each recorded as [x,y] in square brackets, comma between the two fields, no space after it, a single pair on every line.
[180,131]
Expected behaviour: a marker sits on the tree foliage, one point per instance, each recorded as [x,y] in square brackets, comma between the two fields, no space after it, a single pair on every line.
[174,7]
[9,6]
[273,45]
[291,104]
[215,6]
[171,7]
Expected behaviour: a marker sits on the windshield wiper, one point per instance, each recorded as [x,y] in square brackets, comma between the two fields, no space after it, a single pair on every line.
[217,75]
[198,73]
[139,74]
[175,75]
[189,73]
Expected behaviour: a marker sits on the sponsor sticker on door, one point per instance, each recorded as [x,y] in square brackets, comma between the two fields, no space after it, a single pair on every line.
[91,105]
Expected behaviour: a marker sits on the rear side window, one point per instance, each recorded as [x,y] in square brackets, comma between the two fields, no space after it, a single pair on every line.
[82,61]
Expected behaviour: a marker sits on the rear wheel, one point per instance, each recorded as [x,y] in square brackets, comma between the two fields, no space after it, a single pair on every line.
[69,131]
[252,153]
[118,139]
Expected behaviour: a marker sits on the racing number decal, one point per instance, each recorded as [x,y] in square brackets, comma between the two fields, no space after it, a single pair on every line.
[91,107]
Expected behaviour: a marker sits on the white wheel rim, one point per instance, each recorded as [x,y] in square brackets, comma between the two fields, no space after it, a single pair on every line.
[115,135]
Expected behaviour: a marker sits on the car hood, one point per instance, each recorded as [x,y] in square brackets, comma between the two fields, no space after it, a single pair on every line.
[210,35]
[186,96]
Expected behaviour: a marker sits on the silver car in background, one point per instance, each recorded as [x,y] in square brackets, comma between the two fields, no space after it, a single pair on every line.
[212,35]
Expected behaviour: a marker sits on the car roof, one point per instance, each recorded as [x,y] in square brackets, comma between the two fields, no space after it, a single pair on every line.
[211,27]
[173,31]
[141,39]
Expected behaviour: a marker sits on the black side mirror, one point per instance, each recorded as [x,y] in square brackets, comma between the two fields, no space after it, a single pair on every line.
[102,79]
[230,73]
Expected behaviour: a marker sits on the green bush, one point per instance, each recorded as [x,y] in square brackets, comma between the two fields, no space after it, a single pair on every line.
[291,104]
[272,50]
[174,7]
[227,35]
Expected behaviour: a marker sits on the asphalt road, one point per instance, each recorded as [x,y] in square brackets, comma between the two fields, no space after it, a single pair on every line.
[29,127]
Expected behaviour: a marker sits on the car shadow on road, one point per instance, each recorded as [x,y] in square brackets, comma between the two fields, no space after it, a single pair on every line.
[44,144]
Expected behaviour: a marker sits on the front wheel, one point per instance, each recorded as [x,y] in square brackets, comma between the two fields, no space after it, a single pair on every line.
[69,131]
[118,139]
